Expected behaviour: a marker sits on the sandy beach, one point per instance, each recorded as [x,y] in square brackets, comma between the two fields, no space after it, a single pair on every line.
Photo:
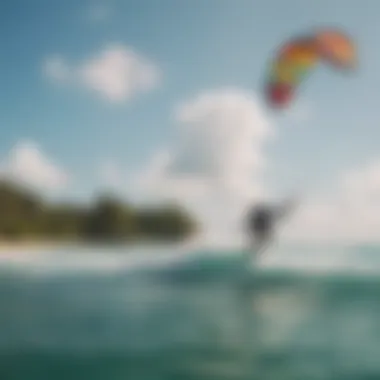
[27,247]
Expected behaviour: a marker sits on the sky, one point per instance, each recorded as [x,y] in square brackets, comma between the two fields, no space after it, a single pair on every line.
[163,100]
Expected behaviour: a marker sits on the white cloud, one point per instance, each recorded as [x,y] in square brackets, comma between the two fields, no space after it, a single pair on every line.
[116,73]
[215,168]
[351,213]
[28,165]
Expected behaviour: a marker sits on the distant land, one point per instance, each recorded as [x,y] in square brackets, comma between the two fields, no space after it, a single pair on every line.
[27,217]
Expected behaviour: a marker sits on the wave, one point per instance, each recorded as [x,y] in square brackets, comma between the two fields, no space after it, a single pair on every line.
[194,306]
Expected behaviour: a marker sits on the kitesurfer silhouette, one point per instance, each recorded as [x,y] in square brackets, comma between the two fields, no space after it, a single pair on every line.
[262,221]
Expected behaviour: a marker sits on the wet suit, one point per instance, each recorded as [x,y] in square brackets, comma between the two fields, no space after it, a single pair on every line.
[261,224]
[262,221]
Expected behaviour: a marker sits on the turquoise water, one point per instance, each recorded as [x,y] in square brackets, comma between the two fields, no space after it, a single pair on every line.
[206,316]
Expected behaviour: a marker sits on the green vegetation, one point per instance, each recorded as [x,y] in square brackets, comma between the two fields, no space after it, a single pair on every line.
[26,215]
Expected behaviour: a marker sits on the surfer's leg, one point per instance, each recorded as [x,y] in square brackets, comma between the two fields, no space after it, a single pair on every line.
[263,243]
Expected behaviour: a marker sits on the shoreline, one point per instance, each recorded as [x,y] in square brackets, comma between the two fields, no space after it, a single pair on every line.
[28,243]
[38,246]
[25,247]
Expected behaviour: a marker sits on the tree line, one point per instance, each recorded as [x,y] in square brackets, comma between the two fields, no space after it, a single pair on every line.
[26,215]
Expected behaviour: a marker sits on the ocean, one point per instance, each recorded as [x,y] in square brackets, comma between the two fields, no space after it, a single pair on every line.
[302,312]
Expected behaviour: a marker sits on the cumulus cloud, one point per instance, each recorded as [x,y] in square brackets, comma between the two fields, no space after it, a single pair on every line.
[216,165]
[28,165]
[116,73]
[350,213]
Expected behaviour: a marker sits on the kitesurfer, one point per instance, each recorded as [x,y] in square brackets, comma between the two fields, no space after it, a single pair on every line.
[262,222]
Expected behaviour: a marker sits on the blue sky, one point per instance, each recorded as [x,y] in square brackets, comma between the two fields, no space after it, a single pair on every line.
[196,46]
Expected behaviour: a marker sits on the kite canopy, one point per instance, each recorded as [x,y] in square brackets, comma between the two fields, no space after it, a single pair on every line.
[297,57]
[336,48]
